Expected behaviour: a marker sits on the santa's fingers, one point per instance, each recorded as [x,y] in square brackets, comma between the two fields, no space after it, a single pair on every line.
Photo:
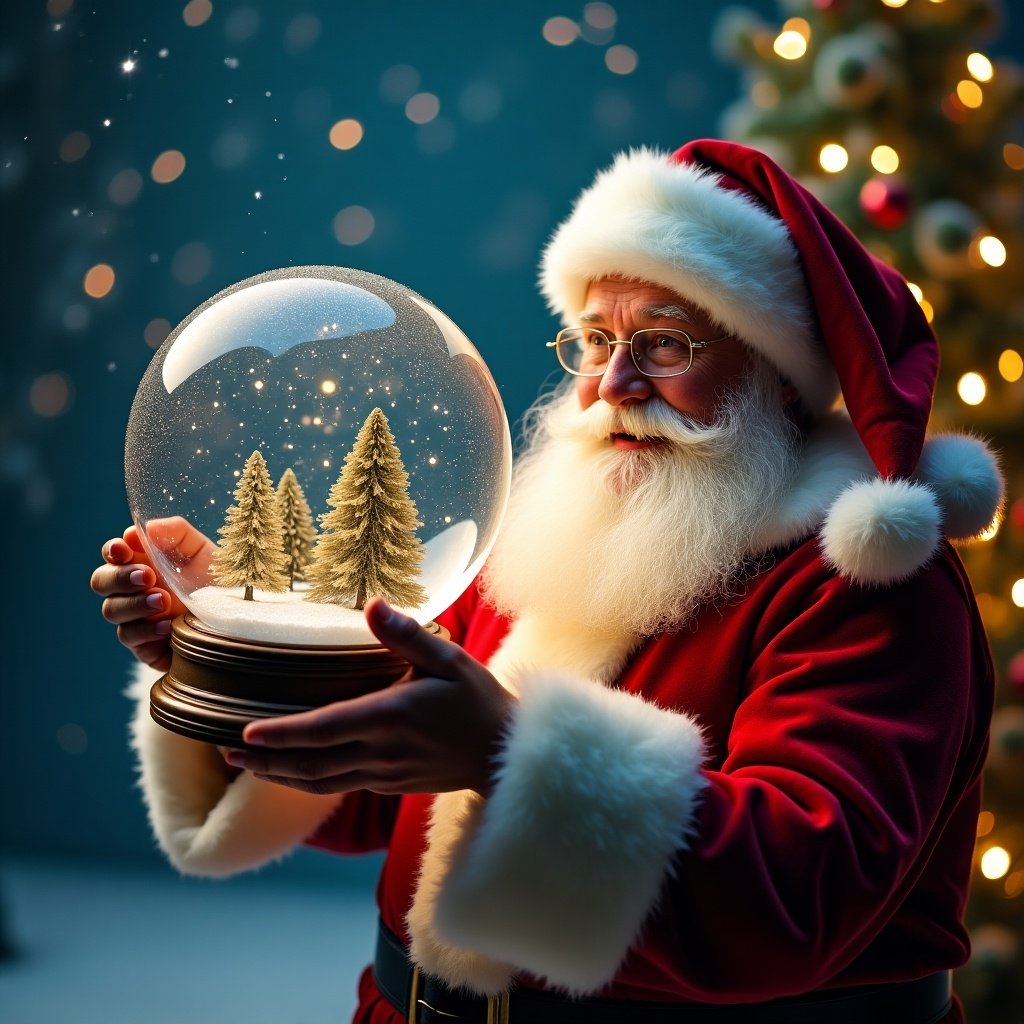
[428,653]
[304,765]
[347,783]
[116,579]
[120,609]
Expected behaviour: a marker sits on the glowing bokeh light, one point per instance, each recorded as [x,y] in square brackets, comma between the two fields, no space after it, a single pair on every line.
[168,166]
[986,822]
[621,60]
[422,108]
[600,15]
[560,31]
[353,225]
[196,13]
[49,394]
[971,388]
[991,250]
[1011,365]
[156,331]
[885,159]
[798,25]
[346,134]
[1017,593]
[790,45]
[995,862]
[969,93]
[980,67]
[98,280]
[833,157]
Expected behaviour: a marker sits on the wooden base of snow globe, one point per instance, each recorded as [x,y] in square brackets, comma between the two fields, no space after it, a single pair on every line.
[217,685]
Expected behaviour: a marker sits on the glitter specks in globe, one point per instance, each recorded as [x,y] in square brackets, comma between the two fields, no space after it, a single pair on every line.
[290,363]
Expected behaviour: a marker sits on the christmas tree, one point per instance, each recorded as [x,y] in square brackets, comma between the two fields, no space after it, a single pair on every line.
[250,553]
[893,114]
[297,526]
[369,544]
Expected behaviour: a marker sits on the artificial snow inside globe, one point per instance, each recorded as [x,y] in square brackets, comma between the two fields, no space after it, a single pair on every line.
[305,439]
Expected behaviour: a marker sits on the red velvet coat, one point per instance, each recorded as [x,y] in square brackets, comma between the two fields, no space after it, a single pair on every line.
[845,729]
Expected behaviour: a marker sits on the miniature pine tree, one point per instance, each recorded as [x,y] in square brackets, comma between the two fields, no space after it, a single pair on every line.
[369,544]
[297,529]
[250,554]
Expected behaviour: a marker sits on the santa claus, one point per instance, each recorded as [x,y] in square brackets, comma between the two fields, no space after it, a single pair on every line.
[706,743]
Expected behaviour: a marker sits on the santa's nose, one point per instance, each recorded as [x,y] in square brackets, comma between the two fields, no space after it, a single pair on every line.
[622,381]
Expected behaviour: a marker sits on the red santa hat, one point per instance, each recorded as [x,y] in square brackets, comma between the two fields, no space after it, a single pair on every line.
[728,229]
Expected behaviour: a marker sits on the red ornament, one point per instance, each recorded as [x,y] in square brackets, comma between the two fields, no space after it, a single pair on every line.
[885,202]
[1017,514]
[1015,672]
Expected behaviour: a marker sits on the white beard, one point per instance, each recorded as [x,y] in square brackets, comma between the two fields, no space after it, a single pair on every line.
[605,539]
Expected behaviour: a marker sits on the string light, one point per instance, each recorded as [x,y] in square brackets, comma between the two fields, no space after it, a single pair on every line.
[885,159]
[833,157]
[980,67]
[800,25]
[790,45]
[1014,156]
[986,822]
[1011,365]
[971,388]
[895,3]
[1017,593]
[992,251]
[969,93]
[995,862]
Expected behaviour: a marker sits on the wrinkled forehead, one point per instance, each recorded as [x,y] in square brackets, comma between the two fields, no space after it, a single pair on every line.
[640,300]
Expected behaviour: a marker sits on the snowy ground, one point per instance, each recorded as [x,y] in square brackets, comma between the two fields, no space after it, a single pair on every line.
[288,618]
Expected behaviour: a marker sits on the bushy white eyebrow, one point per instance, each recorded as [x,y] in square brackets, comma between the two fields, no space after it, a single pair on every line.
[670,312]
[666,312]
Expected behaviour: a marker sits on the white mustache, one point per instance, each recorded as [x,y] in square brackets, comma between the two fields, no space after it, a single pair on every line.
[650,420]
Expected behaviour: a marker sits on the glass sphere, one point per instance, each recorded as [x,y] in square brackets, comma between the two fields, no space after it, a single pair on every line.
[291,364]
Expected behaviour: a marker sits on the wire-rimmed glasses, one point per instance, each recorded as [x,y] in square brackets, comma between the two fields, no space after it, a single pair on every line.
[656,351]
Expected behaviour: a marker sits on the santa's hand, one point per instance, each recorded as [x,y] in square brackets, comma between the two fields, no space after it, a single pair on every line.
[135,597]
[436,730]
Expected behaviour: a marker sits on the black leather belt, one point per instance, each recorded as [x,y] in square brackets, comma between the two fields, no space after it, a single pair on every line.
[425,1000]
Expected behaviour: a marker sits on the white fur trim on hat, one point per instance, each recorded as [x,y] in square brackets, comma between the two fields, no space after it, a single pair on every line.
[671,224]
[207,822]
[596,793]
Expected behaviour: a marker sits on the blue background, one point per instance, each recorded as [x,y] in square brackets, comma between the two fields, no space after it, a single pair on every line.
[462,207]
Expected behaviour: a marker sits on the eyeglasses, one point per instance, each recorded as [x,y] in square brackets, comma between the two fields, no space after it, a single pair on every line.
[656,351]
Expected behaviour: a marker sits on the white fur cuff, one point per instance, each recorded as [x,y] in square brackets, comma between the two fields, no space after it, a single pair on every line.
[595,794]
[206,823]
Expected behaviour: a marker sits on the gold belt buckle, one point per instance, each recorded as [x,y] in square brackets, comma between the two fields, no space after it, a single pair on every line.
[497,1009]
[497,1006]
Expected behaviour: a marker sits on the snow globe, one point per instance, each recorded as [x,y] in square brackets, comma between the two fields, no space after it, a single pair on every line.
[303,440]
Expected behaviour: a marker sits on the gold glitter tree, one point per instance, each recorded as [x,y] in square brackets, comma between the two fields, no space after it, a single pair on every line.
[250,553]
[369,544]
[297,529]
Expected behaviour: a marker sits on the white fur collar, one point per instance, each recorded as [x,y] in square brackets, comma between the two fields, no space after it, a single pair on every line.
[875,531]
